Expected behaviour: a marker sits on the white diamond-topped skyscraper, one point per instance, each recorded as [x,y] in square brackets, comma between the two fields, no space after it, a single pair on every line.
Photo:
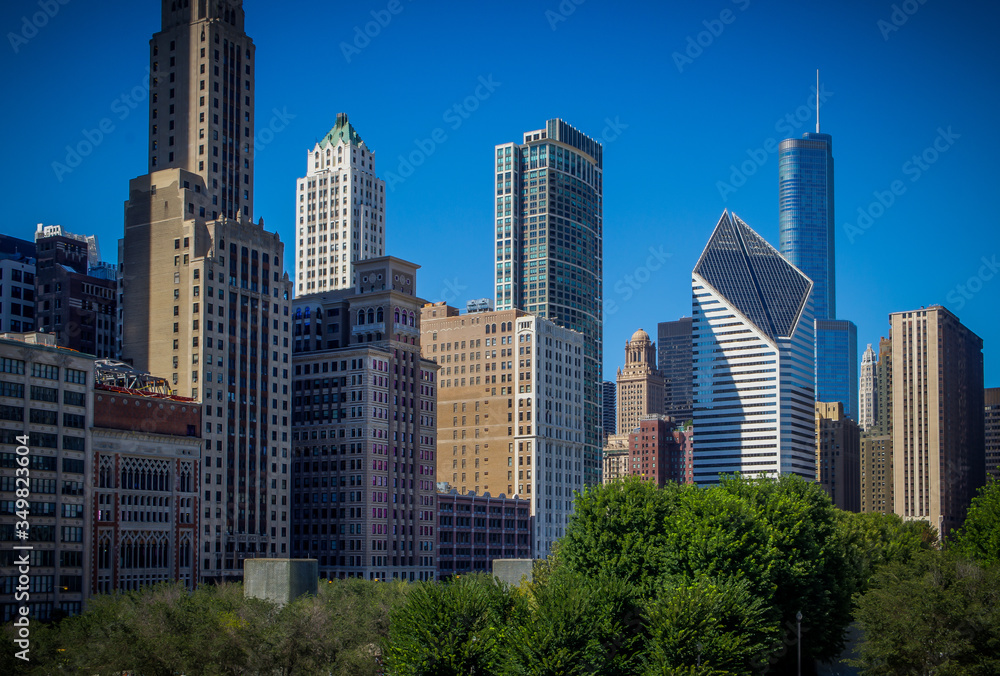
[549,248]
[753,359]
[205,296]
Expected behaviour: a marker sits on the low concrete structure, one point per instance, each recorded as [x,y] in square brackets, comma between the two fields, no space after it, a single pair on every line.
[280,580]
[512,571]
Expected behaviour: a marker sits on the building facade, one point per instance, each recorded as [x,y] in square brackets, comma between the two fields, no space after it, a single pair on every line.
[17,285]
[473,530]
[837,363]
[838,456]
[549,247]
[640,384]
[145,492]
[655,452]
[205,298]
[868,390]
[674,352]
[609,411]
[876,473]
[365,432]
[76,296]
[937,416]
[992,419]
[753,359]
[506,425]
[340,211]
[46,411]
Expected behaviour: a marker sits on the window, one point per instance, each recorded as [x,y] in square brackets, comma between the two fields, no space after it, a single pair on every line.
[46,371]
[15,366]
[75,376]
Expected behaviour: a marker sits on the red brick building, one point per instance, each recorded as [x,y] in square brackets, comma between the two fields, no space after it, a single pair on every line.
[659,453]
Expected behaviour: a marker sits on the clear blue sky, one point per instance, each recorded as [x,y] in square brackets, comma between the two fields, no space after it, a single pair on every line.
[678,131]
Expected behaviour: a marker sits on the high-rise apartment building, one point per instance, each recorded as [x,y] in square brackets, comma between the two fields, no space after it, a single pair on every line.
[640,385]
[838,450]
[674,352]
[868,389]
[17,285]
[753,359]
[937,416]
[76,295]
[474,530]
[511,403]
[365,430]
[549,247]
[340,211]
[992,410]
[205,298]
[46,412]
[609,409]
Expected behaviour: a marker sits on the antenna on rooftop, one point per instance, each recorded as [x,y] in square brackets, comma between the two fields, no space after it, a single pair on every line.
[817,100]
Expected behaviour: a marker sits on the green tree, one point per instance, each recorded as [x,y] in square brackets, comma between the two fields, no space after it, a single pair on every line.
[939,614]
[701,624]
[453,628]
[578,625]
[872,540]
[979,537]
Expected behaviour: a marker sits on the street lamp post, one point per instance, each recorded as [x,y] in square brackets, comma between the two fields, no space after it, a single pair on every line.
[798,631]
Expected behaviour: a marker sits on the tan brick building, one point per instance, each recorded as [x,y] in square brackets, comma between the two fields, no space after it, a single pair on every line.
[640,384]
[937,416]
[510,409]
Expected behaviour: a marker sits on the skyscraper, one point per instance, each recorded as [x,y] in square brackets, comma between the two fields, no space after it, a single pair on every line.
[205,298]
[805,214]
[340,211]
[806,234]
[365,429]
[868,391]
[674,352]
[608,407]
[992,410]
[640,385]
[753,357]
[938,444]
[876,442]
[549,247]
[838,461]
[504,428]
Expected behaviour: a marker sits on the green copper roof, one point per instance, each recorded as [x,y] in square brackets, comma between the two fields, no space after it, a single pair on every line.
[342,130]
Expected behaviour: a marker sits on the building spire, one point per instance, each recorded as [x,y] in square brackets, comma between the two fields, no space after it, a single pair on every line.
[817,100]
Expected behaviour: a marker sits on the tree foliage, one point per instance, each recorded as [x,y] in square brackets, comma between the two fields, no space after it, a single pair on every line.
[938,614]
[979,537]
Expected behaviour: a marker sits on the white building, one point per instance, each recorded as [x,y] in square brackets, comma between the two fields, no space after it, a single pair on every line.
[753,359]
[17,284]
[340,211]
[868,389]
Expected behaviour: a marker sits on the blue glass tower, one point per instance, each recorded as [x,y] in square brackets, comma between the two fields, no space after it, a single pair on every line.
[806,238]
[805,214]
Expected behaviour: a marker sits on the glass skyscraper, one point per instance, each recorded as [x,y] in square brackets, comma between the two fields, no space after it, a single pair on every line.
[805,214]
[806,230]
[753,359]
[549,248]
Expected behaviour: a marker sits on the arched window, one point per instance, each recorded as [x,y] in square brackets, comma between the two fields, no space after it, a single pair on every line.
[494,328]
[371,316]
[487,329]
[395,316]
[379,317]
[361,316]
[411,320]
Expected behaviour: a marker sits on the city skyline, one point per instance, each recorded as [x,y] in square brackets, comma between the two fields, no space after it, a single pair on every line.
[921,80]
